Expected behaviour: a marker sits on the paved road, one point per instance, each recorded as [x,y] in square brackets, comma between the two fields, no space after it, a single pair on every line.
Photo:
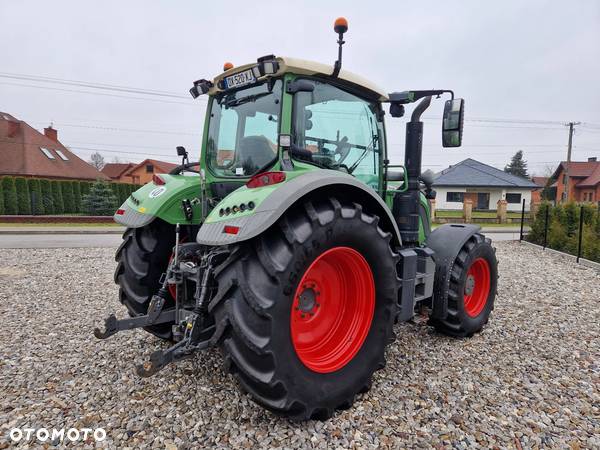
[113,240]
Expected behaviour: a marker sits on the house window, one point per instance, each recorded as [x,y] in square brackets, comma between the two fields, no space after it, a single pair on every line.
[149,168]
[565,179]
[513,198]
[61,155]
[47,152]
[456,197]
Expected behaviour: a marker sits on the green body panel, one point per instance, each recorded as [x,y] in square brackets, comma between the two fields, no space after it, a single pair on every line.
[167,204]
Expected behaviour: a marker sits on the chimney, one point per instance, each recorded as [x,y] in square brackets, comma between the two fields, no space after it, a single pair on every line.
[13,128]
[51,133]
[593,159]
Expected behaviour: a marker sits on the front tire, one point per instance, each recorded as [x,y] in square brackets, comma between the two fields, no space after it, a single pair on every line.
[472,289]
[305,310]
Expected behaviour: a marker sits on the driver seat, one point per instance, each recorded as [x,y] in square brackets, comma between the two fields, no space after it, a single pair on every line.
[255,152]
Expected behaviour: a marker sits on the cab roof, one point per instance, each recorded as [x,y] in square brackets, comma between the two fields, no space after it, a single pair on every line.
[305,67]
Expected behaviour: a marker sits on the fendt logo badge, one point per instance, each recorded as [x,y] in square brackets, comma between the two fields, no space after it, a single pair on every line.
[158,191]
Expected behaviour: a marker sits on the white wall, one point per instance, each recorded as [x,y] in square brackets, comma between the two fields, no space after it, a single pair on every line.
[495,195]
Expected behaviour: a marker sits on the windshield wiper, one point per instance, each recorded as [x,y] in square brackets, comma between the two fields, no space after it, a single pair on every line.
[241,101]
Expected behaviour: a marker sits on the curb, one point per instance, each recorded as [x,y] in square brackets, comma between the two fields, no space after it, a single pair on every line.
[582,261]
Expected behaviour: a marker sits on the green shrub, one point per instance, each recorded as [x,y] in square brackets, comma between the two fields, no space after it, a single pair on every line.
[57,198]
[571,218]
[67,192]
[76,186]
[536,235]
[124,191]
[84,186]
[9,192]
[35,194]
[100,201]
[47,197]
[1,198]
[23,199]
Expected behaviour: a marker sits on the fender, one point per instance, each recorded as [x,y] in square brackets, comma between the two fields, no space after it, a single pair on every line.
[446,241]
[164,201]
[271,202]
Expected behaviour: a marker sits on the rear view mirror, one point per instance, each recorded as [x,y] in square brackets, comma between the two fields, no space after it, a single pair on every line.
[452,125]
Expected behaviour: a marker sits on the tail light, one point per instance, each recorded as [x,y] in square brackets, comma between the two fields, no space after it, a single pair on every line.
[230,229]
[120,212]
[265,179]
[158,180]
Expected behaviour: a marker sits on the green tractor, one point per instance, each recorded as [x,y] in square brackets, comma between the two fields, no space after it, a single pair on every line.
[293,244]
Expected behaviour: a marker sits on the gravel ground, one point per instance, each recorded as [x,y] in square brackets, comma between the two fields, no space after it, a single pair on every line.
[531,379]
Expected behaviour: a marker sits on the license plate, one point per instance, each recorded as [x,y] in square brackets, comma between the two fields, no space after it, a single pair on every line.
[239,79]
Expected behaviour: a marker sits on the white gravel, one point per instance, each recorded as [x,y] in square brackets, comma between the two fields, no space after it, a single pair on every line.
[531,379]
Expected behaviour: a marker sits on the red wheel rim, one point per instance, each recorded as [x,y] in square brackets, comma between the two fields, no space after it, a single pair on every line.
[477,287]
[332,309]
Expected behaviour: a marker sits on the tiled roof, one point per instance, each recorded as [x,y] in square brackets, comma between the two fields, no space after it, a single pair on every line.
[26,151]
[162,166]
[471,173]
[588,172]
[115,170]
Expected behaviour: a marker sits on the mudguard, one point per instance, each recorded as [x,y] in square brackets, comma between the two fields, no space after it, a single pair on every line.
[270,202]
[162,201]
[446,241]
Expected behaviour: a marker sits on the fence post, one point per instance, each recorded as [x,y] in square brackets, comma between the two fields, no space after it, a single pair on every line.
[546,226]
[580,232]
[522,220]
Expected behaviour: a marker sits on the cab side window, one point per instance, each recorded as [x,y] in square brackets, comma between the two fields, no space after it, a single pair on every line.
[337,130]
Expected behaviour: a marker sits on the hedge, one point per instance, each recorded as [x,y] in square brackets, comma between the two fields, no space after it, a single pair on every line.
[76,186]
[9,191]
[47,198]
[1,199]
[23,200]
[563,229]
[43,196]
[57,198]
[67,192]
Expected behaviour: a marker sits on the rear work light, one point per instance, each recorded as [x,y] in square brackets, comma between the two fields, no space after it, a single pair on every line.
[265,179]
[158,180]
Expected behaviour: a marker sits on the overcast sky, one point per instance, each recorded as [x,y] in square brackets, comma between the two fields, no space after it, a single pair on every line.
[534,60]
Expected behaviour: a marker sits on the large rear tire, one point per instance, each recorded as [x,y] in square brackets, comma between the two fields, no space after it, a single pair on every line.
[472,290]
[305,310]
[142,258]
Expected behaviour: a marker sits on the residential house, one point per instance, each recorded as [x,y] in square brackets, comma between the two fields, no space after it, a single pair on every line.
[143,172]
[536,194]
[584,180]
[484,185]
[26,152]
[116,171]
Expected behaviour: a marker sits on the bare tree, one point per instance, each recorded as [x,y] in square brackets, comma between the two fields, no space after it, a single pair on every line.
[97,160]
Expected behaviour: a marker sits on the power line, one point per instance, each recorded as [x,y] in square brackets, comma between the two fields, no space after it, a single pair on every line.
[101,94]
[104,86]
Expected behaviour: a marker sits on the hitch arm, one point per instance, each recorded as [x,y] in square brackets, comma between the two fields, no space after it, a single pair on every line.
[112,325]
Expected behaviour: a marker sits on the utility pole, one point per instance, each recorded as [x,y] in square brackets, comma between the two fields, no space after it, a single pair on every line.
[571,129]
